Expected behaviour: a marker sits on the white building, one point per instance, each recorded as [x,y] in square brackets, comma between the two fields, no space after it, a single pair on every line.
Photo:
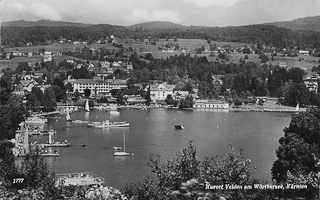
[180,95]
[311,82]
[98,86]
[210,104]
[303,52]
[161,91]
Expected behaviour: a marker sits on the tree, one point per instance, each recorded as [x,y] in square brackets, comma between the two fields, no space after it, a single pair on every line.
[148,96]
[5,88]
[23,66]
[119,97]
[12,113]
[296,93]
[176,46]
[49,100]
[240,83]
[58,93]
[148,56]
[189,87]
[87,92]
[170,101]
[186,103]
[246,50]
[82,72]
[298,149]
[38,93]
[237,102]
[42,50]
[186,170]
[57,81]
[69,87]
[76,95]
[262,89]
[296,74]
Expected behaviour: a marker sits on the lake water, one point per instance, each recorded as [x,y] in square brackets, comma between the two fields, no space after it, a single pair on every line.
[153,131]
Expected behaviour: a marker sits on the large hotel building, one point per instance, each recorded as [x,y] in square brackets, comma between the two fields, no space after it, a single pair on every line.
[98,86]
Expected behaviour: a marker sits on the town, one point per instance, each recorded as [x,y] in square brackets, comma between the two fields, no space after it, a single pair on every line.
[158,110]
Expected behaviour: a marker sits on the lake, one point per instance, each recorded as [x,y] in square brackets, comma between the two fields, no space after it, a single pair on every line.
[152,131]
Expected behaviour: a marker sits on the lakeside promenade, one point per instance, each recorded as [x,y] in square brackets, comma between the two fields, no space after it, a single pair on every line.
[267,107]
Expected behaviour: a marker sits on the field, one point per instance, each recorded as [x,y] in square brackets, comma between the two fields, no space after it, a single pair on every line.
[142,48]
[305,64]
[13,63]
[60,47]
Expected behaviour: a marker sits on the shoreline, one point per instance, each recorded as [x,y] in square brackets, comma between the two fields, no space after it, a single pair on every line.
[268,108]
[240,109]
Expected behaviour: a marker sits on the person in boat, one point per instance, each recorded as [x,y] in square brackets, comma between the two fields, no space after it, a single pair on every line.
[83,145]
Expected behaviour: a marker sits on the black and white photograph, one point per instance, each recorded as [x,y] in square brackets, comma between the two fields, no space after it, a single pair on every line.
[160,99]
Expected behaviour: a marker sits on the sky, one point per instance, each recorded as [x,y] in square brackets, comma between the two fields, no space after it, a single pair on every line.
[186,12]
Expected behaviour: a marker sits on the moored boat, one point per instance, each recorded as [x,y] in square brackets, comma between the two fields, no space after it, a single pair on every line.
[178,127]
[35,120]
[87,108]
[123,153]
[107,123]
[78,121]
[52,143]
[114,112]
[57,144]
[68,118]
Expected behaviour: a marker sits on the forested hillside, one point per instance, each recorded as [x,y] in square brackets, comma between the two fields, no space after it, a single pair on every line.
[254,34]
[307,23]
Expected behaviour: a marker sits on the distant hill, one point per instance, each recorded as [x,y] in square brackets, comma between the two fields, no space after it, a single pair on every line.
[307,23]
[47,23]
[158,25]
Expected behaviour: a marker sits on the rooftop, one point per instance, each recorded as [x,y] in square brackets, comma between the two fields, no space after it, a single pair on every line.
[83,178]
[92,81]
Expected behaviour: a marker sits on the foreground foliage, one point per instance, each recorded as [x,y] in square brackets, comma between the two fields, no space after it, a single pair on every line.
[186,177]
[299,152]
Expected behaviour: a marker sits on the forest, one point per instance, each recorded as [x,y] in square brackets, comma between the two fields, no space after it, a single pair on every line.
[253,34]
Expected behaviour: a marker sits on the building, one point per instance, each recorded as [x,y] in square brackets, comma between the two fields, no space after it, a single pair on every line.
[128,65]
[217,79]
[303,52]
[27,85]
[161,91]
[98,86]
[16,53]
[47,56]
[210,104]
[19,90]
[105,64]
[282,64]
[311,82]
[177,95]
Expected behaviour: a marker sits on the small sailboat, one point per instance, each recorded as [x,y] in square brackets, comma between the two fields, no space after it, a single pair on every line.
[68,118]
[87,108]
[297,108]
[122,153]
[52,143]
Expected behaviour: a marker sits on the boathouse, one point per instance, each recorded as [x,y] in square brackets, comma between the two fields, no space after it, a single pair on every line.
[210,104]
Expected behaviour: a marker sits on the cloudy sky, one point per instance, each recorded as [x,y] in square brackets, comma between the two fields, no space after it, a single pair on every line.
[186,12]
